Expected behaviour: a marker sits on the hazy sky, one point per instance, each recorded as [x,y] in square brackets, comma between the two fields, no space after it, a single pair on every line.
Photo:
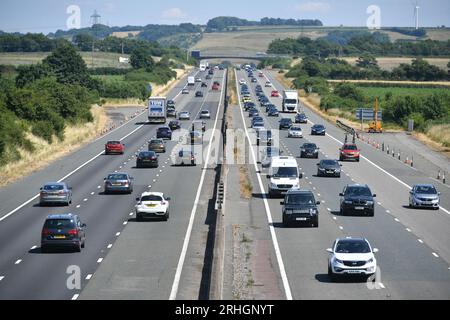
[49,15]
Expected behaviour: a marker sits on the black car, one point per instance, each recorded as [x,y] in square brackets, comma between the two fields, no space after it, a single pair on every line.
[164,133]
[147,159]
[318,130]
[301,118]
[253,113]
[204,85]
[357,199]
[249,105]
[199,94]
[174,125]
[170,103]
[326,168]
[254,80]
[273,112]
[309,150]
[300,206]
[63,230]
[171,112]
[257,119]
[270,106]
[285,123]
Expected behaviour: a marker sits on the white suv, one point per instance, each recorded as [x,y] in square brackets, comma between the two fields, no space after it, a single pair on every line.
[351,256]
[152,205]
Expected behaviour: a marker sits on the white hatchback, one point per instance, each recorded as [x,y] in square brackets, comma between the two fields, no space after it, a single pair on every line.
[152,205]
[295,132]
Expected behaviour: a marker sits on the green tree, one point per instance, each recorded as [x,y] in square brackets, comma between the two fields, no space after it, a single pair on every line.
[31,73]
[141,59]
[367,61]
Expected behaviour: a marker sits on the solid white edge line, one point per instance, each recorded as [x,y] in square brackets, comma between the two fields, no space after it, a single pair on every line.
[75,296]
[283,274]
[88,277]
[99,260]
[176,280]
[2,277]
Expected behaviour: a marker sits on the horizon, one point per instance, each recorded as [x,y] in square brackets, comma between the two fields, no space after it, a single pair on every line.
[332,13]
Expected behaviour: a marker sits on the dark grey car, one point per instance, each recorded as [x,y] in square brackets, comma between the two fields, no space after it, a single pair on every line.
[357,199]
[55,193]
[119,182]
[330,168]
[300,206]
[63,230]
[157,145]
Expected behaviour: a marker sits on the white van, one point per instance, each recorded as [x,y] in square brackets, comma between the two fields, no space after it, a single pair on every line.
[283,175]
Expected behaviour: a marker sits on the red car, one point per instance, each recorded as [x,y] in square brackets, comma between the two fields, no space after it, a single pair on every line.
[114,147]
[349,151]
[275,94]
[215,87]
[261,75]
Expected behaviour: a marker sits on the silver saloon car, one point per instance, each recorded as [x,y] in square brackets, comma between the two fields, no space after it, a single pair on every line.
[55,193]
[119,182]
[424,196]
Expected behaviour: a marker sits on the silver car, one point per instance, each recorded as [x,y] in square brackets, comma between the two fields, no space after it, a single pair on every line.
[205,114]
[55,193]
[119,182]
[184,115]
[424,196]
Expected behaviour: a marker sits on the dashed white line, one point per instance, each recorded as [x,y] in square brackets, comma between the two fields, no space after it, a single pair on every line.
[387,211]
[88,277]
[2,277]
[379,203]
[329,210]
[109,246]
[435,254]
[150,186]
[334,218]
[99,187]
[33,247]
[131,213]
[117,234]
[323,201]
[382,285]
[18,261]
[99,260]
[408,229]
[396,219]
[75,296]
[341,227]
[420,240]
[125,223]
[78,206]
[318,194]
[92,193]
[85,199]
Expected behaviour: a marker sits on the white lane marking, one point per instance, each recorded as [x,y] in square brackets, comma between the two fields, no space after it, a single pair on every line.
[150,186]
[75,297]
[78,206]
[92,193]
[341,227]
[163,167]
[154,180]
[18,261]
[99,260]
[306,178]
[157,175]
[314,188]
[88,277]
[125,223]
[334,218]
[117,234]
[33,247]
[420,240]
[318,194]
[387,211]
[379,203]
[2,277]
[99,187]
[281,266]
[85,199]
[382,285]
[176,281]
[109,246]
[131,213]
[328,209]
[323,201]
[435,254]
[396,219]
[408,229]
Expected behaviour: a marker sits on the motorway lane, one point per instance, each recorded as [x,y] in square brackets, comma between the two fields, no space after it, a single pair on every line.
[22,280]
[402,259]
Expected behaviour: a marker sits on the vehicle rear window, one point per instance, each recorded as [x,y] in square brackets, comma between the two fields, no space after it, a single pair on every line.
[156,142]
[53,187]
[117,177]
[152,198]
[358,191]
[147,154]
[59,224]
[352,246]
[114,142]
[301,198]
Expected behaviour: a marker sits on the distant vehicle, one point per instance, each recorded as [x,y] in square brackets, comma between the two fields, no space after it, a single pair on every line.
[199,94]
[55,193]
[204,85]
[157,145]
[357,198]
[210,72]
[261,75]
[152,205]
[184,115]
[309,150]
[267,155]
[164,133]
[174,125]
[326,168]
[118,182]
[242,81]
[275,94]
[185,91]
[268,84]
[170,103]
[254,80]
[285,123]
[318,130]
[217,83]
[290,101]
[283,175]
[215,87]
[63,231]
[301,118]
[114,147]
[191,81]
[249,105]
[205,114]
[270,106]
[208,77]
[198,79]
[424,196]
[147,159]
[221,67]
[273,112]
[184,158]
[157,110]
[295,132]
[253,113]
[258,126]
[264,137]
[257,119]
[171,112]
[349,151]
[351,256]
[202,67]
[300,206]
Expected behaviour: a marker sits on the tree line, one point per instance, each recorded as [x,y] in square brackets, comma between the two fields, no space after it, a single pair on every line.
[223,23]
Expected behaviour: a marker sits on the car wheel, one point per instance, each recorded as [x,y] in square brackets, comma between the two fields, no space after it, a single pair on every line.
[341,212]
[341,159]
[285,222]
[44,249]
[78,248]
[357,160]
[83,245]
[301,155]
[331,275]
[339,175]
[138,218]
[372,213]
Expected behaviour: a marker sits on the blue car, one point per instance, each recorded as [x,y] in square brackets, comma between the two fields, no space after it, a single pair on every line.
[318,130]
[301,118]
[273,113]
[164,133]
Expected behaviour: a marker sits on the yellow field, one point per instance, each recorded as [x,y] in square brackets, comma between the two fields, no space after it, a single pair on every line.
[125,34]
[389,63]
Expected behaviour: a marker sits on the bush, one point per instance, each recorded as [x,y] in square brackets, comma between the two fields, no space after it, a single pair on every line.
[43,129]
[124,89]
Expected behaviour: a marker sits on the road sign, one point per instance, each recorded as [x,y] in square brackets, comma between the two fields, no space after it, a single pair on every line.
[368,114]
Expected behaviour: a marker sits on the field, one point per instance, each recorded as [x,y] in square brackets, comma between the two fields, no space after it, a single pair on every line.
[389,63]
[101,59]
[398,91]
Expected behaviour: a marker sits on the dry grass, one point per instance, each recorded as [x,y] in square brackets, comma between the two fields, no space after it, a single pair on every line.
[125,34]
[440,83]
[45,153]
[389,63]
[232,87]
[245,184]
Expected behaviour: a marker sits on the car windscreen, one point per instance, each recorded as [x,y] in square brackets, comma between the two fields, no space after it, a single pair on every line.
[152,198]
[329,163]
[296,129]
[53,187]
[285,172]
[426,190]
[284,121]
[350,147]
[156,142]
[290,101]
[358,191]
[59,224]
[300,198]
[117,177]
[352,246]
[309,146]
[318,126]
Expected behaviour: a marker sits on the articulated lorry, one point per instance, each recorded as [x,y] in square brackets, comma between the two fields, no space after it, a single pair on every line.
[157,110]
[191,81]
[290,101]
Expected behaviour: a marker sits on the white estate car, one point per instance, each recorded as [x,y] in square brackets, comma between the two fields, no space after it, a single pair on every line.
[351,256]
[242,82]
[205,114]
[295,132]
[152,205]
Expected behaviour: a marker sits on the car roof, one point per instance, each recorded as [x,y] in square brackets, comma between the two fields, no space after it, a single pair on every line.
[61,216]
[356,185]
[55,184]
[352,238]
[118,173]
[284,160]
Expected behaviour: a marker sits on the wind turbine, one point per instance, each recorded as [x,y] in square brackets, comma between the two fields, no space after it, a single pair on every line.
[416,15]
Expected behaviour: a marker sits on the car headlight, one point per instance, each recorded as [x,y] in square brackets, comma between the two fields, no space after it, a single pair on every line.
[273,185]
[321,169]
[370,260]
[312,211]
[370,202]
[337,261]
[288,211]
[347,202]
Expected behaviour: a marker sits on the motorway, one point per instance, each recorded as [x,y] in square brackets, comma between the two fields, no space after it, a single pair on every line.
[26,273]
[414,257]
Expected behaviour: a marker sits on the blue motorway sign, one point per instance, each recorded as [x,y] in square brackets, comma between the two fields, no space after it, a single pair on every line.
[368,114]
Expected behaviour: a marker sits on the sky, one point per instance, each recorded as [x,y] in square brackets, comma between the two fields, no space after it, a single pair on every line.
[50,15]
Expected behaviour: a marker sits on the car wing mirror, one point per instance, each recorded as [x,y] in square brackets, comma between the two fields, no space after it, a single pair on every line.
[329,250]
[41,189]
[168,198]
[439,193]
[138,199]
[375,250]
[374,196]
[282,203]
[84,225]
[300,175]
[268,176]
[318,202]
[341,194]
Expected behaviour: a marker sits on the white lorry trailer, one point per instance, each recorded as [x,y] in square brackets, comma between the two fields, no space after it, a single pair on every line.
[290,101]
[157,110]
[191,81]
